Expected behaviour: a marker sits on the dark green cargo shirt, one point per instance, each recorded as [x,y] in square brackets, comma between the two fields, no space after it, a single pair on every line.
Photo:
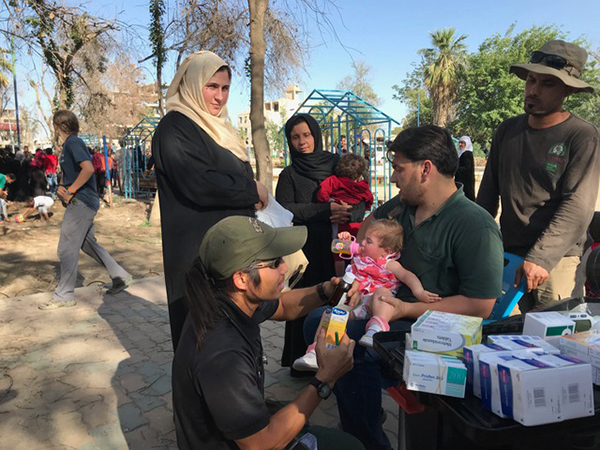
[547,180]
[457,251]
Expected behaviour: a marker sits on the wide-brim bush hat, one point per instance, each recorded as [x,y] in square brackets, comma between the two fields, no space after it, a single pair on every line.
[561,59]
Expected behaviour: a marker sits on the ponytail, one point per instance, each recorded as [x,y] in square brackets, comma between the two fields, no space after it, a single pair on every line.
[200,300]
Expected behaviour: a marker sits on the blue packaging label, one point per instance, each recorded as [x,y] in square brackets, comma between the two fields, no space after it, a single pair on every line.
[468,355]
[485,376]
[570,359]
[524,344]
[494,347]
[506,391]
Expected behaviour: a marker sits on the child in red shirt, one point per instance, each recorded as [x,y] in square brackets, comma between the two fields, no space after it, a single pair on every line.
[347,185]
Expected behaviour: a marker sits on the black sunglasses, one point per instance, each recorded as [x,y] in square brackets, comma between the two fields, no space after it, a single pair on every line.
[271,264]
[555,61]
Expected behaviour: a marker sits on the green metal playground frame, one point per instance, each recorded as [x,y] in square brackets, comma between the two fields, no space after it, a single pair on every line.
[340,113]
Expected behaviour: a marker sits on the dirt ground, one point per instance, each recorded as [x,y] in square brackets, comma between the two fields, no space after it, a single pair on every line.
[28,261]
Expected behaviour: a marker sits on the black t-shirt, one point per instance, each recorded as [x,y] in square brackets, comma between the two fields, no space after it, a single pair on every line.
[218,389]
[74,152]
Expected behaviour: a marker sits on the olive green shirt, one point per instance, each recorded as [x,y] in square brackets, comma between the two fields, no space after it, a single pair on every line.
[456,251]
[547,180]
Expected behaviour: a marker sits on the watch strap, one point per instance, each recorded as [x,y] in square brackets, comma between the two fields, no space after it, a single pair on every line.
[322,295]
[322,388]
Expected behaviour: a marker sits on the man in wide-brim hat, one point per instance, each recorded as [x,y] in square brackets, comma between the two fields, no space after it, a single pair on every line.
[544,166]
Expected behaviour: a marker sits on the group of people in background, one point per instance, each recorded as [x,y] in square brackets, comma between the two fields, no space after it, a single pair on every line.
[35,178]
[36,174]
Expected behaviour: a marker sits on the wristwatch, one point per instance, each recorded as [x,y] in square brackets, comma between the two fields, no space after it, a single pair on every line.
[322,388]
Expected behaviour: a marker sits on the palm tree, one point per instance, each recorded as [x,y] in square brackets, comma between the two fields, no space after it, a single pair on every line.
[443,65]
[5,66]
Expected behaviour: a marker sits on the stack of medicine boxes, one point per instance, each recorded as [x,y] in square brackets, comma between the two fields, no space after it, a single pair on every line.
[527,379]
[436,341]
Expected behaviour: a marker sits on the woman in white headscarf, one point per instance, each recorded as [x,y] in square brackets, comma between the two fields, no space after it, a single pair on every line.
[466,167]
[202,170]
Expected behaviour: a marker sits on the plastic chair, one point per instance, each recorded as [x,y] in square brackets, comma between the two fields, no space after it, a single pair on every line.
[511,294]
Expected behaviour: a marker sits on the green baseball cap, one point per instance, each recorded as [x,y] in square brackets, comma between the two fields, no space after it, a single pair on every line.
[236,242]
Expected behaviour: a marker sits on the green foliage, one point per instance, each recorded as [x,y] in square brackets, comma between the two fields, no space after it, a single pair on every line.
[488,93]
[444,62]
[61,32]
[359,83]
[275,138]
[587,106]
[5,67]
[157,34]
[413,94]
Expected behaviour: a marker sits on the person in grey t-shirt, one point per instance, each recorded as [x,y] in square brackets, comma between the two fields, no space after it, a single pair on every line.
[544,166]
[78,194]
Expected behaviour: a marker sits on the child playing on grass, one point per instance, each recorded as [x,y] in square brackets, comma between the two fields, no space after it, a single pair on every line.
[376,267]
[41,203]
[346,186]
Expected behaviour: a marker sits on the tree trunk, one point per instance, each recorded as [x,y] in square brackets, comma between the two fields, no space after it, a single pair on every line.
[161,111]
[258,47]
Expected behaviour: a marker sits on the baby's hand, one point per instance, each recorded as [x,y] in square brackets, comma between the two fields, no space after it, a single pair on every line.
[428,297]
[344,236]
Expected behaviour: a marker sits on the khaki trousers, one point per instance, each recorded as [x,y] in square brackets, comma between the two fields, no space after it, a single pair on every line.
[565,281]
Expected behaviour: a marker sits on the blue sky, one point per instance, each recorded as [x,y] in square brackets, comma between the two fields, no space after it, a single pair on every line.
[387,34]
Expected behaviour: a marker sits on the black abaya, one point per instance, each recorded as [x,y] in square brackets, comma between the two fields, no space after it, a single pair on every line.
[199,184]
[466,174]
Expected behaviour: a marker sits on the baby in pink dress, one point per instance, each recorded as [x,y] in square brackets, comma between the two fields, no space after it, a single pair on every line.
[376,269]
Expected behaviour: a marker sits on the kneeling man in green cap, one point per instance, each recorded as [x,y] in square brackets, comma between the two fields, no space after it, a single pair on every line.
[218,371]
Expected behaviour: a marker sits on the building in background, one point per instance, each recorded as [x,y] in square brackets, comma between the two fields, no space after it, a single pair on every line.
[8,128]
[277,112]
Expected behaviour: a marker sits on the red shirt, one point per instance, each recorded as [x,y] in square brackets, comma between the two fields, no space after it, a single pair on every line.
[345,190]
[98,162]
[50,164]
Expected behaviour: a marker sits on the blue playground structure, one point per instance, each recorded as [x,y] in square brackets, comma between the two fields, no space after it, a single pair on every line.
[139,178]
[367,130]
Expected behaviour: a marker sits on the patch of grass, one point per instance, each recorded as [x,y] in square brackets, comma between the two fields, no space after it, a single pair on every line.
[145,224]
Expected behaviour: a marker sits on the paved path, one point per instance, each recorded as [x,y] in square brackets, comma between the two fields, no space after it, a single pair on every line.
[97,376]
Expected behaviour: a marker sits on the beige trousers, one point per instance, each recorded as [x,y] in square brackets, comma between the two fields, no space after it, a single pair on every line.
[565,281]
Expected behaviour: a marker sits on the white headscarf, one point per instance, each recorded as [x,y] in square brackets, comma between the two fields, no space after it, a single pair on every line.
[185,95]
[468,145]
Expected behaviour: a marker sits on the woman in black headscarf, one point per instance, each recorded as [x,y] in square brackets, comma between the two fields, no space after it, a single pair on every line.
[296,191]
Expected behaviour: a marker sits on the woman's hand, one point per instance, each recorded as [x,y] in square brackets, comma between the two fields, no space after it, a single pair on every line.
[263,196]
[340,212]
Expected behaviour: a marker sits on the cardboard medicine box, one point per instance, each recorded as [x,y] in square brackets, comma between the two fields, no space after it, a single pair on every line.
[437,374]
[522,342]
[530,391]
[488,375]
[445,333]
[577,391]
[548,325]
[471,355]
[337,324]
[584,346]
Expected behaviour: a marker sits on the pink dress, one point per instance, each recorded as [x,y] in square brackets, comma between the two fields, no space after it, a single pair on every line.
[372,274]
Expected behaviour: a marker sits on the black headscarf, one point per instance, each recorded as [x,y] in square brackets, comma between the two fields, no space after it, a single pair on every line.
[317,165]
